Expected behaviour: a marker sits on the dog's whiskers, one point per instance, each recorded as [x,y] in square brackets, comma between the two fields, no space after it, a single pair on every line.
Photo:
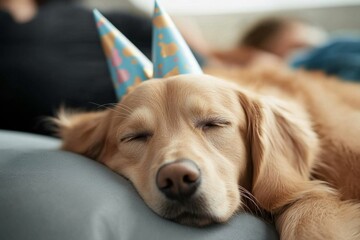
[110,106]
[125,108]
[106,106]
[245,208]
[249,196]
[103,105]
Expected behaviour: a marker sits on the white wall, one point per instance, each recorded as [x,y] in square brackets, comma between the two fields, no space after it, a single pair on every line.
[231,26]
[111,5]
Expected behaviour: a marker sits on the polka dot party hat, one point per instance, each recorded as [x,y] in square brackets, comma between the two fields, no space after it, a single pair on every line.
[128,66]
[170,53]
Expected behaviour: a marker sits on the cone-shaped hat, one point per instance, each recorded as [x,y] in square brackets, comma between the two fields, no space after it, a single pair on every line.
[170,53]
[127,65]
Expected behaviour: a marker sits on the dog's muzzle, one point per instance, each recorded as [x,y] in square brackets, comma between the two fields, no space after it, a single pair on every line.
[180,181]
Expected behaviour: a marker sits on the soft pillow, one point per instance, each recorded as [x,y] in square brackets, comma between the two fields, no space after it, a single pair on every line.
[50,194]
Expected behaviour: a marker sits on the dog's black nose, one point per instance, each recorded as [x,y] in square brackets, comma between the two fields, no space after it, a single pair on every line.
[178,180]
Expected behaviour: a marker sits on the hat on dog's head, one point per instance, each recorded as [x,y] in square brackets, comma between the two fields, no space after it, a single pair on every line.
[170,53]
[128,66]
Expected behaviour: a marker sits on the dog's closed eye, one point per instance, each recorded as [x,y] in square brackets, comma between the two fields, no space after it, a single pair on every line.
[211,123]
[138,136]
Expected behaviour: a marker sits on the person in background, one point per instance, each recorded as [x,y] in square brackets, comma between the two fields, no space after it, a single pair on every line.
[272,41]
[50,55]
[294,43]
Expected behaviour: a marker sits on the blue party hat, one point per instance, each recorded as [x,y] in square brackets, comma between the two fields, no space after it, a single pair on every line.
[170,53]
[128,66]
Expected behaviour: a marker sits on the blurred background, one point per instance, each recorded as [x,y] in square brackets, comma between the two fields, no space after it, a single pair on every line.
[223,22]
[51,54]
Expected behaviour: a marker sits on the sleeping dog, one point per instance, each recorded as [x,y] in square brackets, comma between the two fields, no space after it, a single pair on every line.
[197,148]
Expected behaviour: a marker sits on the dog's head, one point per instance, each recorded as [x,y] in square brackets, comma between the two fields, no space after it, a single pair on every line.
[188,142]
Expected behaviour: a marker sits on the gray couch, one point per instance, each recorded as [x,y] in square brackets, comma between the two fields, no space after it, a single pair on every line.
[48,194]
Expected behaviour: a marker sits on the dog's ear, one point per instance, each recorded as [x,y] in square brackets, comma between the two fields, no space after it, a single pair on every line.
[83,133]
[281,145]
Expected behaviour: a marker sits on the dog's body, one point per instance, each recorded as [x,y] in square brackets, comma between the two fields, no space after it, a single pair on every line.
[333,108]
[193,145]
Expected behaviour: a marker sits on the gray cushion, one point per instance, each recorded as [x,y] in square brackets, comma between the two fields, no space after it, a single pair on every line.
[49,194]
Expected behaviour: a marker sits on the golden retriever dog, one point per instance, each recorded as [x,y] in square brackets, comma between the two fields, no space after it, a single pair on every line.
[199,149]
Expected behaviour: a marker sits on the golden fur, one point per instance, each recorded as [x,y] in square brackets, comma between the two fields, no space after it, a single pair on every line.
[288,140]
